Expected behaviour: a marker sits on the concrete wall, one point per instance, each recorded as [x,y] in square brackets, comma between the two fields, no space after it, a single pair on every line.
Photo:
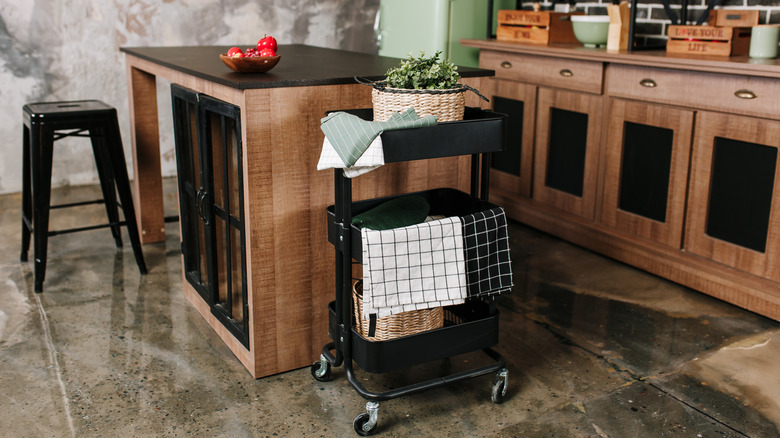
[69,49]
[54,50]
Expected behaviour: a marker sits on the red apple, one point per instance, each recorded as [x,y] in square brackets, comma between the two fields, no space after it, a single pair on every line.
[267,52]
[234,52]
[267,42]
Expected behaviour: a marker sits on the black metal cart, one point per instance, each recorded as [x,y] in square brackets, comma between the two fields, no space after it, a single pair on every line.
[480,133]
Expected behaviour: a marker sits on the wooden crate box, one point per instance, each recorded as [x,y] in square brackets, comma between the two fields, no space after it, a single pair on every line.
[539,27]
[708,40]
[733,18]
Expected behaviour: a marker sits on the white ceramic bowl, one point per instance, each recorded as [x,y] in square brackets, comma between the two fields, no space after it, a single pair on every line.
[591,30]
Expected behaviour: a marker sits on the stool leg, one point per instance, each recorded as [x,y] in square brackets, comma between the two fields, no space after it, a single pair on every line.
[106,177]
[117,158]
[42,140]
[26,195]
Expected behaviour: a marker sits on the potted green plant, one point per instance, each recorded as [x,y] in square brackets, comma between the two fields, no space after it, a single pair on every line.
[429,84]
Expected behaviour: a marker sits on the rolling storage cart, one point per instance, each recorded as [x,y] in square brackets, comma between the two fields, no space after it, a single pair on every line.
[471,326]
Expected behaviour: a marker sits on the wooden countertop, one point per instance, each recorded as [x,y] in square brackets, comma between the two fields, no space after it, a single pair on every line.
[300,65]
[743,65]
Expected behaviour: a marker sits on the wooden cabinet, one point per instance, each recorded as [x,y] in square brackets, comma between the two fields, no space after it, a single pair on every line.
[669,164]
[732,218]
[547,126]
[568,138]
[209,165]
[646,170]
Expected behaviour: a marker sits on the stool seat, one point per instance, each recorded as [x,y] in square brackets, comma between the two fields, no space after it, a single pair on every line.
[66,110]
[47,122]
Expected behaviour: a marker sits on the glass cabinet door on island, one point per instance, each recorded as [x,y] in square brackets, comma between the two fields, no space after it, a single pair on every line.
[207,135]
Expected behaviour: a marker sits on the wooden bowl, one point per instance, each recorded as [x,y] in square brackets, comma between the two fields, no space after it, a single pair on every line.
[258,64]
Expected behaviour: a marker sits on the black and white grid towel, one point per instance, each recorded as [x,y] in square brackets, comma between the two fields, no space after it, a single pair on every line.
[416,267]
[488,266]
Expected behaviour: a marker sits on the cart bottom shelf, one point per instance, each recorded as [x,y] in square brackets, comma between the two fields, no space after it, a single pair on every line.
[470,327]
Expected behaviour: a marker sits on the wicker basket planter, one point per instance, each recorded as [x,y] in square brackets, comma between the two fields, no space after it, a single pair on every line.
[447,105]
[394,326]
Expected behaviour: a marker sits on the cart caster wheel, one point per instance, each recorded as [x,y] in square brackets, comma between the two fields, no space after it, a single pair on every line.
[321,370]
[365,423]
[499,387]
[497,396]
[361,425]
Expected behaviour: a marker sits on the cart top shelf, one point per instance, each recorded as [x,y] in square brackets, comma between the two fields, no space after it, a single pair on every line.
[480,131]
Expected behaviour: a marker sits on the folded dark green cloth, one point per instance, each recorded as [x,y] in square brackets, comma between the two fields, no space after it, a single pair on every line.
[396,213]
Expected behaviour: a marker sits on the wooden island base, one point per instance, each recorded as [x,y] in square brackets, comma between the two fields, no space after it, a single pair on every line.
[289,262]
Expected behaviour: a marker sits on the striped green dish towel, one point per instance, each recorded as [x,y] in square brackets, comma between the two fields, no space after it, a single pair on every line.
[350,135]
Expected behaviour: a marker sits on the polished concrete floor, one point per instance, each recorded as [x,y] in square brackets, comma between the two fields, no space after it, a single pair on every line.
[594,349]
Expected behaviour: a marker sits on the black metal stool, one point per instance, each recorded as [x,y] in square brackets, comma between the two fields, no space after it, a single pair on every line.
[45,123]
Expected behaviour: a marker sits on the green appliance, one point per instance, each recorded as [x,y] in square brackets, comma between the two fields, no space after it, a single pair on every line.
[411,26]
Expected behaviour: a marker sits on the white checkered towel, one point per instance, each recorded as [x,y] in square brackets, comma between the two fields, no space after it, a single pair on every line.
[416,267]
[371,159]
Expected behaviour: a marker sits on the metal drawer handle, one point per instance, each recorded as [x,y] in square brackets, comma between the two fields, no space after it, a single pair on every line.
[566,73]
[506,64]
[745,94]
[201,198]
[649,83]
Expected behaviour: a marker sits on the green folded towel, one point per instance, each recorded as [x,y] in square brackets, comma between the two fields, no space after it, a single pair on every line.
[350,135]
[396,213]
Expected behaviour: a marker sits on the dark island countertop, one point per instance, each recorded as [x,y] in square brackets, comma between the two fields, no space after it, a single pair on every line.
[300,65]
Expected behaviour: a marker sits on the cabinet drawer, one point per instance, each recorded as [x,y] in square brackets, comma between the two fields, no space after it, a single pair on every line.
[587,76]
[721,92]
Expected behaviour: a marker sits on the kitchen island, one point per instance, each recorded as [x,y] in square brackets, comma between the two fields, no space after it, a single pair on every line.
[269,303]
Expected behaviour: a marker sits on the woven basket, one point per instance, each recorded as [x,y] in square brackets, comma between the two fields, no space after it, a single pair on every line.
[447,105]
[395,326]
